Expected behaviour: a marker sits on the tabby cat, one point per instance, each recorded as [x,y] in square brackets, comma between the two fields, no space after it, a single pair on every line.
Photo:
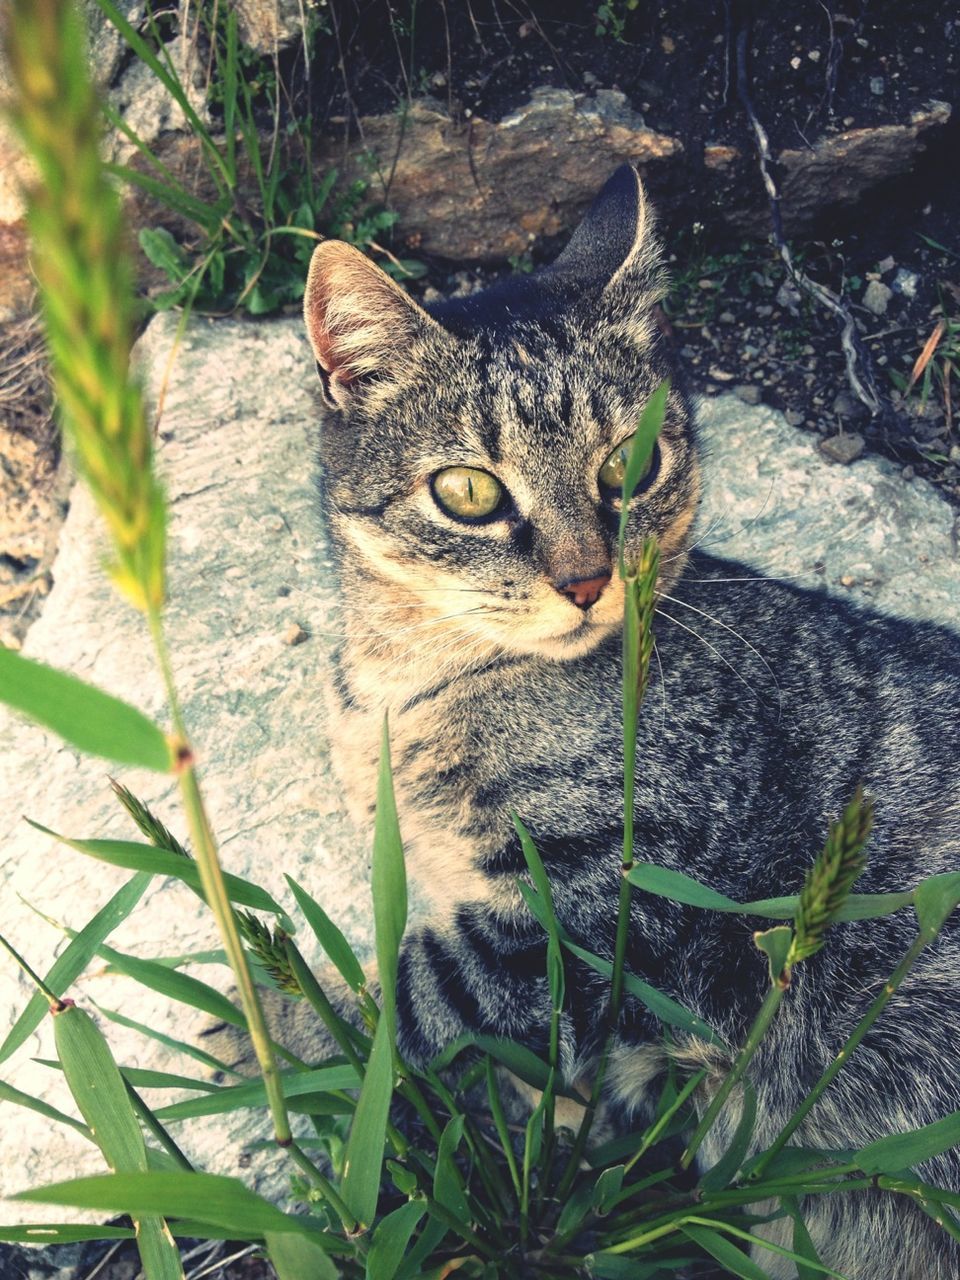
[471,461]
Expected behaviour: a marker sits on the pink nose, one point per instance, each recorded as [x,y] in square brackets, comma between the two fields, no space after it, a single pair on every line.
[584,591]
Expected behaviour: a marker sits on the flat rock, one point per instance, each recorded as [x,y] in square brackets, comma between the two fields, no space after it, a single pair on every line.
[477,190]
[249,569]
[844,448]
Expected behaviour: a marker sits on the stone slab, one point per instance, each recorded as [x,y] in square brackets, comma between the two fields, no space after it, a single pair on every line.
[248,563]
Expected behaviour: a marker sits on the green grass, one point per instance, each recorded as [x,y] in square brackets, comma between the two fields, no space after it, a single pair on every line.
[460,1187]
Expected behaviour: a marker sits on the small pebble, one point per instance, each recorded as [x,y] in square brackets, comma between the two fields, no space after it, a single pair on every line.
[848,580]
[905,283]
[955,453]
[814,55]
[794,418]
[909,473]
[795,63]
[876,85]
[764,310]
[719,375]
[748,394]
[886,264]
[726,317]
[844,448]
[845,406]
[876,297]
[295,634]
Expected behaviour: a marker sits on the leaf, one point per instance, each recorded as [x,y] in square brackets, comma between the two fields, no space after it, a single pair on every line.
[61,1233]
[664,1007]
[725,1252]
[576,1207]
[538,875]
[163,251]
[161,862]
[176,986]
[667,883]
[934,899]
[391,1238]
[330,938]
[802,1244]
[298,1257]
[523,1062]
[8,1093]
[726,1167]
[230,1098]
[206,1197]
[903,1150]
[363,1161]
[180,1046]
[447,1182]
[388,884]
[644,438]
[607,1188]
[775,944]
[86,717]
[101,1095]
[76,956]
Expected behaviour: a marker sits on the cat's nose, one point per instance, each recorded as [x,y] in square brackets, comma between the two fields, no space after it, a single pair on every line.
[584,592]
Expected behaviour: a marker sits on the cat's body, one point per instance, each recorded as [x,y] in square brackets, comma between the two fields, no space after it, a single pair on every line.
[493,642]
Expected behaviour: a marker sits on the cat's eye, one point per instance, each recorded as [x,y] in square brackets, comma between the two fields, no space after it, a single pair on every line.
[467,492]
[612,472]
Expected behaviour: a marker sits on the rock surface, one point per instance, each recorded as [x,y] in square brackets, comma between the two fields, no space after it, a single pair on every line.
[480,191]
[249,570]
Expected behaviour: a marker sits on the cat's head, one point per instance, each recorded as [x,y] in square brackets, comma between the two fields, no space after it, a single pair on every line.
[471,451]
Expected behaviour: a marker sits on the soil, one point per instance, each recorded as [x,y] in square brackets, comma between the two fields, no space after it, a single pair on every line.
[811,70]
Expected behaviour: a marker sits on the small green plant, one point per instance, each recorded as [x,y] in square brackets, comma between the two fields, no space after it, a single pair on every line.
[611,17]
[463,1188]
[251,241]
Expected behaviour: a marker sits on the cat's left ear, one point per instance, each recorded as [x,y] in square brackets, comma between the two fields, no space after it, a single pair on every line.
[361,323]
[615,250]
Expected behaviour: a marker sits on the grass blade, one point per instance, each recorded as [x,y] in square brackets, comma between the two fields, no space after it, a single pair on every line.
[391,1238]
[364,1156]
[298,1257]
[678,887]
[9,1093]
[388,884]
[76,956]
[161,862]
[205,1197]
[901,1151]
[230,1098]
[725,1251]
[101,1095]
[330,938]
[83,715]
[46,1233]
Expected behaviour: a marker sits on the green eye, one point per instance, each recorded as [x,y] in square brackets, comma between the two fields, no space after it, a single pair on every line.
[467,492]
[613,470]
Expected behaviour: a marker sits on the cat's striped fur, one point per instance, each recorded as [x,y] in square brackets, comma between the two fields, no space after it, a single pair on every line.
[504,695]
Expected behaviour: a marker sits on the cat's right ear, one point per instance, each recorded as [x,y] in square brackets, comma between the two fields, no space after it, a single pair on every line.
[360,322]
[615,250]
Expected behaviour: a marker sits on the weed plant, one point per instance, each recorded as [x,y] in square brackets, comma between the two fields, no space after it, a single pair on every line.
[396,1172]
[249,241]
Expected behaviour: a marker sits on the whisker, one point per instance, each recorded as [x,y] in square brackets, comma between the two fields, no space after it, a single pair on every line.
[702,540]
[743,640]
[713,649]
[663,686]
